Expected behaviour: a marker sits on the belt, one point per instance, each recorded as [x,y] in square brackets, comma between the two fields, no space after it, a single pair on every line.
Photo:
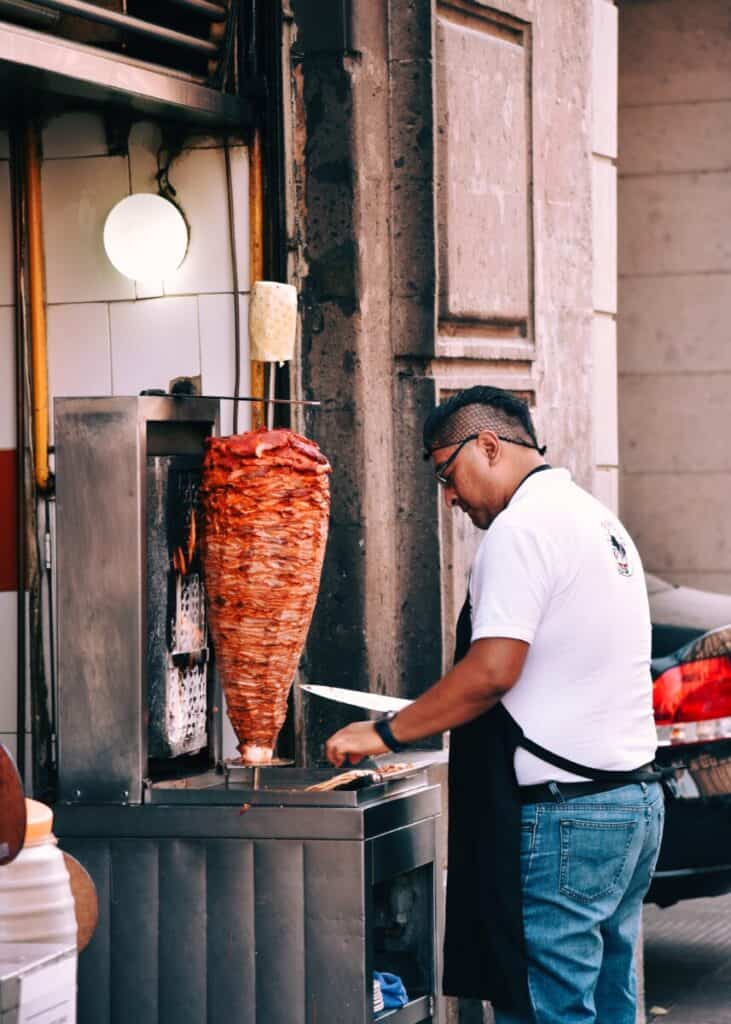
[554,792]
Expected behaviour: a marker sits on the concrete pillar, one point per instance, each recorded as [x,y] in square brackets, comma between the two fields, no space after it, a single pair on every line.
[605,55]
[342,172]
[604,224]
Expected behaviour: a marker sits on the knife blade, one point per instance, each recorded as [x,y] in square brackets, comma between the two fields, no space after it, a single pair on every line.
[357,698]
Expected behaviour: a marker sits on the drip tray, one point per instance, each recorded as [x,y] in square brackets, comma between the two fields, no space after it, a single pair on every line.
[274,786]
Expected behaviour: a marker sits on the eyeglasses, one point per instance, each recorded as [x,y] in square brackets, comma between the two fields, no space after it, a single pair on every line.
[442,468]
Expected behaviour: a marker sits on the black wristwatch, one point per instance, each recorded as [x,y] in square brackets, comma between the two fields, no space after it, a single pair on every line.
[383,728]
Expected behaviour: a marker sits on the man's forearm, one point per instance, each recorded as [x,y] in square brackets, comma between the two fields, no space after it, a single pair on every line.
[464,693]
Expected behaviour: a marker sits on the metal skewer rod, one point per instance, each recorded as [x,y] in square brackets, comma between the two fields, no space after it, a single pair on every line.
[247,398]
[272,392]
[243,398]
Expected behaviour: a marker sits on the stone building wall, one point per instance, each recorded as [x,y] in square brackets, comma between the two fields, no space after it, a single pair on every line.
[674,295]
[452,222]
[443,169]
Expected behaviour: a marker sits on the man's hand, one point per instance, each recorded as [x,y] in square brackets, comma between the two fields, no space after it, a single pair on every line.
[475,684]
[353,743]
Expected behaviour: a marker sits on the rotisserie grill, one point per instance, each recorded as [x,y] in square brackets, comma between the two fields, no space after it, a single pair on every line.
[283,899]
[265,500]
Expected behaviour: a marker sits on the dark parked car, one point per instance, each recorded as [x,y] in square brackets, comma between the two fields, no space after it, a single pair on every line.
[692,670]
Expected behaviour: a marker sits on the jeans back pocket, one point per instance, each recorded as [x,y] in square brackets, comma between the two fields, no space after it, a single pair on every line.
[593,856]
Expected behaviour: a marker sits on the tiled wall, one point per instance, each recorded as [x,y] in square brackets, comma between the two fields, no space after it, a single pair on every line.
[675,294]
[106,334]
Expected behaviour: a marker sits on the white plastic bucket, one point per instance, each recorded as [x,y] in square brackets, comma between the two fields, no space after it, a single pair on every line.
[36,904]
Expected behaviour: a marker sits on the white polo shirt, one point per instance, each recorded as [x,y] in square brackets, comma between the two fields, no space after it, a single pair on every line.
[558,570]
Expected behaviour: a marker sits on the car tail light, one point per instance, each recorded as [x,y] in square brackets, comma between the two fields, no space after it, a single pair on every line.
[694,683]
[693,692]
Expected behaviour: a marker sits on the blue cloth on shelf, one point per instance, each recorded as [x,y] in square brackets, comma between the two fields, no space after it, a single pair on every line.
[392,989]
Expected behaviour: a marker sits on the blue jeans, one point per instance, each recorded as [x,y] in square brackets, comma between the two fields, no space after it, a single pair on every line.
[586,864]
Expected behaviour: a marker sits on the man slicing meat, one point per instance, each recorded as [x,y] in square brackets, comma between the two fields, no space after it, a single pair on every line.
[555,810]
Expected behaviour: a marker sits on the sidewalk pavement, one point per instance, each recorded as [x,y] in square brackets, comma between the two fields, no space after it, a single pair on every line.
[688,962]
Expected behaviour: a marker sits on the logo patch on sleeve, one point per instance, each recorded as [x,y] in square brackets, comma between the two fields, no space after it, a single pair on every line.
[619,549]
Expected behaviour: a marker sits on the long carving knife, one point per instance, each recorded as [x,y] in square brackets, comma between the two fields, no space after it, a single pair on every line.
[357,698]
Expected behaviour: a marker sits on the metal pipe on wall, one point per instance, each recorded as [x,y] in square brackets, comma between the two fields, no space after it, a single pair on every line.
[36,441]
[36,273]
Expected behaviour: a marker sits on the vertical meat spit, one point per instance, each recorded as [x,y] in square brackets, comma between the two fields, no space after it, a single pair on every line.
[266,502]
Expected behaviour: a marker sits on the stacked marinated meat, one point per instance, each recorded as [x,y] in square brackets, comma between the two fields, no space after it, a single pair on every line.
[265,500]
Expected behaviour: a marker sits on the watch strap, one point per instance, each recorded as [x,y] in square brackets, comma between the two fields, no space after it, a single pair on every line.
[385,733]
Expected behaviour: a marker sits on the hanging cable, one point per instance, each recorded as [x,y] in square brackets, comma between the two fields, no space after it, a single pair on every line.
[48,566]
[170,149]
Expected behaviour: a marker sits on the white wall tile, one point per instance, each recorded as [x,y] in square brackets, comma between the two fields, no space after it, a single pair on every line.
[604,388]
[9,661]
[216,315]
[240,188]
[77,196]
[7,285]
[604,210]
[201,140]
[149,290]
[152,342]
[199,177]
[144,141]
[79,353]
[604,78]
[78,133]
[7,377]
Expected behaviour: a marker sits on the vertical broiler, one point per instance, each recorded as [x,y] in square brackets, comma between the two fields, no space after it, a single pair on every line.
[135,689]
[284,899]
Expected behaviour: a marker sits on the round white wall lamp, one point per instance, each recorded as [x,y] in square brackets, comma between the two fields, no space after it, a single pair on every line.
[145,237]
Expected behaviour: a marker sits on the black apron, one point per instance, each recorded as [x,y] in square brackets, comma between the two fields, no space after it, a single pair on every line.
[484,944]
